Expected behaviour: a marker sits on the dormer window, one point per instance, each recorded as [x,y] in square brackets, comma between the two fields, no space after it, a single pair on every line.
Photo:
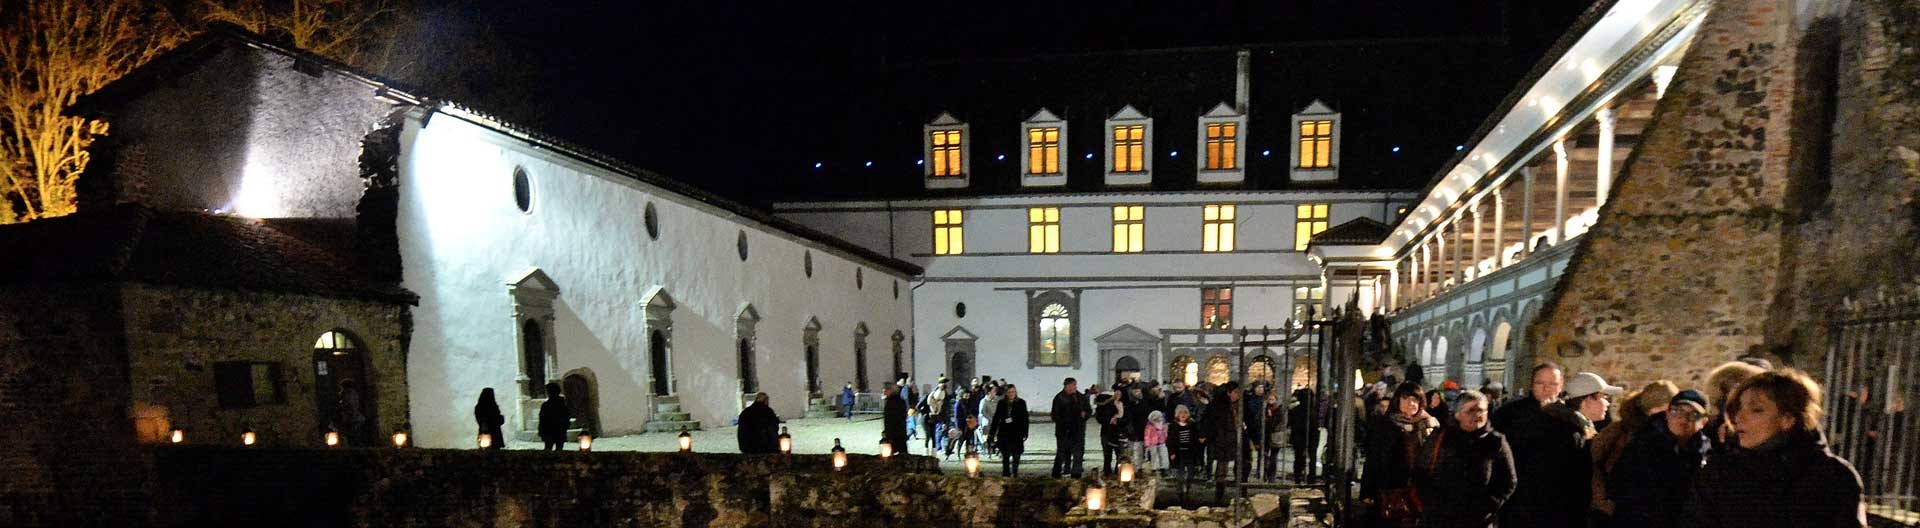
[1043,137]
[1221,145]
[945,145]
[1129,148]
[1316,144]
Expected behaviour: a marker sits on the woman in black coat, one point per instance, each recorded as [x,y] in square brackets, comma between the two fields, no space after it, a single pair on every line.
[1009,431]
[1777,471]
[486,413]
[759,430]
[1465,471]
[1393,441]
[1303,423]
[1224,423]
[555,419]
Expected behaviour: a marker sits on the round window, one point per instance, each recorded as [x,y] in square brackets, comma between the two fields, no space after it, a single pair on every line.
[522,190]
[652,219]
[742,243]
[960,310]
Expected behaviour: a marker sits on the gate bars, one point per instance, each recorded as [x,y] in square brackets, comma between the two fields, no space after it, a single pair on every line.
[1871,365]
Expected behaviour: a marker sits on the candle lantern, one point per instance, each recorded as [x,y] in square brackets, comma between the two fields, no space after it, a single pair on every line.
[786,441]
[586,442]
[400,437]
[247,438]
[839,456]
[485,441]
[886,449]
[1096,497]
[1126,471]
[686,441]
[178,436]
[333,438]
[973,464]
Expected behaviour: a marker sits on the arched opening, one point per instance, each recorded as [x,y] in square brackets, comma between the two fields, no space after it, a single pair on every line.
[1219,370]
[813,368]
[899,355]
[860,357]
[1185,369]
[533,350]
[749,382]
[1260,369]
[1126,369]
[583,400]
[343,398]
[657,359]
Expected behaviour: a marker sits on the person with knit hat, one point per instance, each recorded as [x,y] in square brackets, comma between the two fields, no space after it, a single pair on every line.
[1633,414]
[1648,485]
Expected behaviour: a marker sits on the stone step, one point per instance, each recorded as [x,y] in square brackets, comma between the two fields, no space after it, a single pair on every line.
[671,416]
[573,435]
[666,407]
[663,426]
[822,414]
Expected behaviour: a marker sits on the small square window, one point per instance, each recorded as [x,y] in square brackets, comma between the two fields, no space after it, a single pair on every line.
[245,384]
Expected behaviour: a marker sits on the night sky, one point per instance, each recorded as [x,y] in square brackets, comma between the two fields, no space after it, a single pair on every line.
[736,97]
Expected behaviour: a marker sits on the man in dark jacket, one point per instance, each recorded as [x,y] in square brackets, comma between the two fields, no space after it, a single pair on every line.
[555,418]
[1111,413]
[1009,431]
[1303,424]
[759,427]
[1649,483]
[894,428]
[1465,470]
[1224,425]
[1069,413]
[1549,442]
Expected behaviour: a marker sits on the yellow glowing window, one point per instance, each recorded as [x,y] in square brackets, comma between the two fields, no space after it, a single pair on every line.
[1129,228]
[1305,298]
[1309,220]
[1217,228]
[1130,148]
[1216,308]
[949,236]
[1043,230]
[1316,144]
[1043,150]
[946,152]
[1222,141]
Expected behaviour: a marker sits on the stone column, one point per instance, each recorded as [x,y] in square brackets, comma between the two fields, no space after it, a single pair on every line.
[1559,192]
[1393,288]
[1526,211]
[1500,227]
[1603,182]
[1474,263]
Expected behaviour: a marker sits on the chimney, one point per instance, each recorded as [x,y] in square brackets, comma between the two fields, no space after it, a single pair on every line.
[1242,66]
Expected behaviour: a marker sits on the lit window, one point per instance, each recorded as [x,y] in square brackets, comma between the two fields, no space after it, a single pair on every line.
[1217,228]
[946,153]
[1129,148]
[1056,335]
[1304,298]
[1316,144]
[1043,230]
[1222,140]
[1043,150]
[1309,220]
[1129,228]
[948,234]
[1216,308]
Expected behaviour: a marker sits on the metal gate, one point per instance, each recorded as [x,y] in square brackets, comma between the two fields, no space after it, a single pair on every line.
[1871,384]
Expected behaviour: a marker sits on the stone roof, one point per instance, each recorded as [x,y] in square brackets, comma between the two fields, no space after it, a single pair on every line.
[1359,231]
[133,243]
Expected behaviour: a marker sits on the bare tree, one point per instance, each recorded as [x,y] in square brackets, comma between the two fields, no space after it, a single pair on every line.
[349,31]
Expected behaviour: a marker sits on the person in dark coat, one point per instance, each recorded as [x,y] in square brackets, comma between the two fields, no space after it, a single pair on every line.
[1395,438]
[1465,471]
[486,413]
[1137,408]
[1224,426]
[1549,444]
[1069,412]
[1111,413]
[1778,470]
[555,419]
[893,427]
[759,427]
[1303,425]
[349,419]
[1649,482]
[1009,431]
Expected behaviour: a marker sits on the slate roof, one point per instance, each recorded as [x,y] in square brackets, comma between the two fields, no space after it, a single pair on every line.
[1359,231]
[103,102]
[133,243]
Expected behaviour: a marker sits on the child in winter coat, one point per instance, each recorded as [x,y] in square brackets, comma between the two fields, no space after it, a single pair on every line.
[1156,440]
[1184,437]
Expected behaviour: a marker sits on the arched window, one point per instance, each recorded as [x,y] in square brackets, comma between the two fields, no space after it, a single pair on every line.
[1056,330]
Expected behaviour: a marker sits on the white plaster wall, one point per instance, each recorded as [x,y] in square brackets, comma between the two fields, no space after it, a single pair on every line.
[462,240]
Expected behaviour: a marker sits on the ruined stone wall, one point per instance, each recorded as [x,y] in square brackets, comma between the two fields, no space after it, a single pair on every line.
[174,336]
[65,453]
[219,486]
[1776,176]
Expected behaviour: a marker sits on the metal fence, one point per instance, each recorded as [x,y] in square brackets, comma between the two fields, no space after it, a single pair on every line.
[1871,382]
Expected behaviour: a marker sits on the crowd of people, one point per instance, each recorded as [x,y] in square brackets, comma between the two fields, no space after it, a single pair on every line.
[1744,451]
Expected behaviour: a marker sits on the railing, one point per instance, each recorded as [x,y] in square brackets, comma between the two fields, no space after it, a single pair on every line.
[1871,378]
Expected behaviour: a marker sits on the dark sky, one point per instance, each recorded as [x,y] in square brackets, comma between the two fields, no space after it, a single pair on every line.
[710,92]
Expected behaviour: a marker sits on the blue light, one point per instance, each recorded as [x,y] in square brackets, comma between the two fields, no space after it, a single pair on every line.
[1396,148]
[1176,154]
[919,162]
[869,163]
[1457,148]
[1089,155]
[1266,153]
[816,164]
[1000,156]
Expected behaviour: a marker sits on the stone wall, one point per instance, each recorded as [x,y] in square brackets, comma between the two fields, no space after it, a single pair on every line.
[208,486]
[66,453]
[1704,252]
[174,336]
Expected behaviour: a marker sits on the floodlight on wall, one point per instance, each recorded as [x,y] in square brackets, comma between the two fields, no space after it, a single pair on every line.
[839,456]
[686,440]
[786,441]
[586,442]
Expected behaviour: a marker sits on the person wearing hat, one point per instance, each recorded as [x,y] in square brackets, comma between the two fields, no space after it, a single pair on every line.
[1111,413]
[1648,486]
[1549,440]
[1224,421]
[1635,413]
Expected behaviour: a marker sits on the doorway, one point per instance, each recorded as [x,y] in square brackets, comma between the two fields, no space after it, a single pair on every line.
[339,361]
[583,400]
[657,359]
